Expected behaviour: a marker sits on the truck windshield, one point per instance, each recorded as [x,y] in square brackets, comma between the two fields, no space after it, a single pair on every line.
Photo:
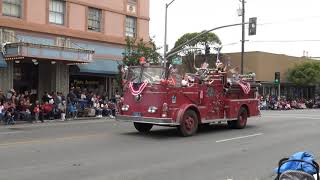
[151,74]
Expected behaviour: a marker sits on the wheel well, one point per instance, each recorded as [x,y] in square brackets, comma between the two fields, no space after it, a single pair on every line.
[196,111]
[247,108]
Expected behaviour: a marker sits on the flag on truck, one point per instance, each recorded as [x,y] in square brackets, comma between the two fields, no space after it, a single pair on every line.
[245,86]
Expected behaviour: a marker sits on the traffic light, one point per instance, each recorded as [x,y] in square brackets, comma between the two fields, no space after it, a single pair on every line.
[207,50]
[277,77]
[252,26]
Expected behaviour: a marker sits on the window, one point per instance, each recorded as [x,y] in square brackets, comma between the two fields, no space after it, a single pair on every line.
[131,26]
[7,36]
[12,8]
[63,42]
[94,19]
[132,6]
[57,11]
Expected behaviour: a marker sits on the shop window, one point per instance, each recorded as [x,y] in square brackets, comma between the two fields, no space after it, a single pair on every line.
[94,19]
[132,6]
[12,8]
[57,11]
[131,26]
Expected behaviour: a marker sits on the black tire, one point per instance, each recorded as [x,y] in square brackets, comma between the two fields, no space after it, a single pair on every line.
[143,127]
[188,124]
[241,121]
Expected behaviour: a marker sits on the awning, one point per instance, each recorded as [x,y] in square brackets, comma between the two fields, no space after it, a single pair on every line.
[3,63]
[100,67]
[22,50]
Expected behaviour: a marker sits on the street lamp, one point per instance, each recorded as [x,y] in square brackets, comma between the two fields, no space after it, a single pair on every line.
[165,47]
[241,12]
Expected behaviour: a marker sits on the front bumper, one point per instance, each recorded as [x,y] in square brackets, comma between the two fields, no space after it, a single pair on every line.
[147,120]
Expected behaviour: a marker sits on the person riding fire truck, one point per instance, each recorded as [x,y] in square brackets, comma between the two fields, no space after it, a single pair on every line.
[156,95]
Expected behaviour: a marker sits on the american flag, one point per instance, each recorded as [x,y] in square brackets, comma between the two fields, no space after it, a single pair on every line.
[245,86]
[218,62]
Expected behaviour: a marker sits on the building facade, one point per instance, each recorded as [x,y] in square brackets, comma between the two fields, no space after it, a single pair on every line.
[51,45]
[264,65]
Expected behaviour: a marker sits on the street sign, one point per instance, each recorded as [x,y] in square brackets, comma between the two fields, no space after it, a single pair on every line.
[177,60]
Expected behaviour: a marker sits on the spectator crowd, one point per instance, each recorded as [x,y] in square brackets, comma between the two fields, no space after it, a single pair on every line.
[283,103]
[55,105]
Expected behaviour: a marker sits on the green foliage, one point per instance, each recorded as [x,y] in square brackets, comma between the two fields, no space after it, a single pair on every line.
[188,51]
[307,73]
[135,50]
[209,39]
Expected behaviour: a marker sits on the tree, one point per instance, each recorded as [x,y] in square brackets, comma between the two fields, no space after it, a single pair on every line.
[135,50]
[307,73]
[207,39]
[193,47]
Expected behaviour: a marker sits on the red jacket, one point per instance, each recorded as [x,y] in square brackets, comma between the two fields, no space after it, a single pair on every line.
[47,108]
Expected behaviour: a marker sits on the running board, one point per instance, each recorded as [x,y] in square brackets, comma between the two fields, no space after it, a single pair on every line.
[217,121]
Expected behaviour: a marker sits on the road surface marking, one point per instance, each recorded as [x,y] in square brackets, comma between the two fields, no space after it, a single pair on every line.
[240,137]
[48,140]
[292,114]
[295,117]
[57,123]
[13,132]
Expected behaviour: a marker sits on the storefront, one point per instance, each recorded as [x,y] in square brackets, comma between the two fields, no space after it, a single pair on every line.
[288,90]
[39,68]
[97,77]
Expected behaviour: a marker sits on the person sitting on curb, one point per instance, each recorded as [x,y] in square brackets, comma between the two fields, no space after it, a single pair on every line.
[9,113]
[46,110]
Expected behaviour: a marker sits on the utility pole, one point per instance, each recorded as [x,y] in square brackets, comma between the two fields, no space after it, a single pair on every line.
[243,34]
[165,46]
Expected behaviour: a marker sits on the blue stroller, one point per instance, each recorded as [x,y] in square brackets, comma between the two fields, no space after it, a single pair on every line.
[300,166]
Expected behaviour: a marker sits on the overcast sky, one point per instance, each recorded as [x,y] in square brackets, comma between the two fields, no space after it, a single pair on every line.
[279,21]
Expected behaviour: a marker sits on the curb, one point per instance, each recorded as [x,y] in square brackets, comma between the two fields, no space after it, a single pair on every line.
[58,121]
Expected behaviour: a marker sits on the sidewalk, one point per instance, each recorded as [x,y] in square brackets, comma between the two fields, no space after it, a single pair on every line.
[58,120]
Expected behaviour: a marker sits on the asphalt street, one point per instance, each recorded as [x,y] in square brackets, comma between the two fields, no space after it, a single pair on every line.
[109,150]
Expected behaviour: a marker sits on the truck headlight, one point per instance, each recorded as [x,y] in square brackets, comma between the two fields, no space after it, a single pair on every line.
[152,109]
[125,107]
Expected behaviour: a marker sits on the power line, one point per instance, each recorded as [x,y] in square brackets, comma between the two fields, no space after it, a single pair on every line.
[285,41]
[299,19]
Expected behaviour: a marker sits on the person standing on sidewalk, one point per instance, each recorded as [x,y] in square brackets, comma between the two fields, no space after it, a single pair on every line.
[1,111]
[2,97]
[36,111]
[63,109]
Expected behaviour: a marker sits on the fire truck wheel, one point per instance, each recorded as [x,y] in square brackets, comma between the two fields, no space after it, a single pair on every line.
[189,123]
[143,127]
[241,122]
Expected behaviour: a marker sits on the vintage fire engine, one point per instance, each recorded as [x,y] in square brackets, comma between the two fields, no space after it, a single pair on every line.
[154,95]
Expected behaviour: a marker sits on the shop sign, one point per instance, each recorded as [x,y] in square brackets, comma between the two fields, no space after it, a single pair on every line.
[85,82]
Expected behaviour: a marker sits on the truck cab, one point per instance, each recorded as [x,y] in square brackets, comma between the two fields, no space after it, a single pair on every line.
[155,95]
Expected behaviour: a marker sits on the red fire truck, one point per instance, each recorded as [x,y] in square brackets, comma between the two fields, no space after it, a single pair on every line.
[154,95]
